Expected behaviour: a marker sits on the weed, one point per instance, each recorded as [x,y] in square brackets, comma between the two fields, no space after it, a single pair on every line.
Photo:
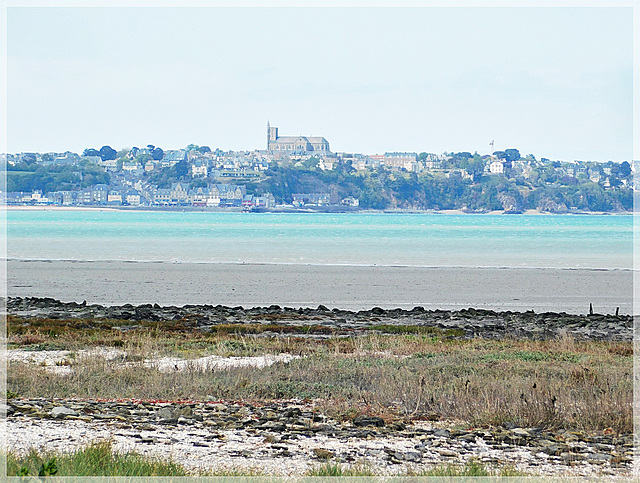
[97,459]
[336,469]
[424,355]
[471,469]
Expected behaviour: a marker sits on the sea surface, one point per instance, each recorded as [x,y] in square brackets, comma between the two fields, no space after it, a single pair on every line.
[414,240]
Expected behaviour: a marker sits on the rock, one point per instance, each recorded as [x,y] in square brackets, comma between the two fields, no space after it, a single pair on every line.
[361,421]
[599,458]
[471,322]
[166,415]
[447,452]
[185,412]
[570,457]
[413,456]
[469,437]
[60,412]
[520,433]
[551,449]
[272,425]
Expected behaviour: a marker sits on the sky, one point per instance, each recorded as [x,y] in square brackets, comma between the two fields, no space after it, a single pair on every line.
[553,82]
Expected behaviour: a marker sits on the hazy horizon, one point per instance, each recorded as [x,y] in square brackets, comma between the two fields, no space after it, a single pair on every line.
[556,82]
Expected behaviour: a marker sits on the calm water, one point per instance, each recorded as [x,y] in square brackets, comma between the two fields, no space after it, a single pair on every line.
[562,241]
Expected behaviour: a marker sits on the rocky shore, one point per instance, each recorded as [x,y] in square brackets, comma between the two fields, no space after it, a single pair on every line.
[325,322]
[288,438]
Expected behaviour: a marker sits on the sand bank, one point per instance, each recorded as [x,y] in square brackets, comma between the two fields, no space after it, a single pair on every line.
[345,287]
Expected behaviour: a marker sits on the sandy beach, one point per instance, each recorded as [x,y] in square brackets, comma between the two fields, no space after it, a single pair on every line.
[345,287]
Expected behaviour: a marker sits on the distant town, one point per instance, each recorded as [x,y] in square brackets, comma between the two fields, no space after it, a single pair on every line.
[301,172]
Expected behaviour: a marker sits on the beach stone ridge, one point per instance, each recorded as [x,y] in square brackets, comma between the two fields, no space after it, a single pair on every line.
[465,323]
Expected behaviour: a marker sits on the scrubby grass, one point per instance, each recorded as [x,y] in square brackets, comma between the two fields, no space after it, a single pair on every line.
[336,469]
[97,459]
[470,469]
[547,384]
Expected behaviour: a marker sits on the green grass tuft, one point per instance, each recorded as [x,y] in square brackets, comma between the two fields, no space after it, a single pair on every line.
[336,469]
[97,459]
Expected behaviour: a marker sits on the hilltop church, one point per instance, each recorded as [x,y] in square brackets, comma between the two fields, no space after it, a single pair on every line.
[295,144]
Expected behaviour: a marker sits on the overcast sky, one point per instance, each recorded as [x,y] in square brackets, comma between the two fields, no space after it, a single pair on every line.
[554,82]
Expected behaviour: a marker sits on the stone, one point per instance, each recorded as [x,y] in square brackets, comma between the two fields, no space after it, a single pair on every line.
[273,425]
[599,458]
[60,412]
[185,412]
[361,421]
[447,452]
[413,456]
[165,413]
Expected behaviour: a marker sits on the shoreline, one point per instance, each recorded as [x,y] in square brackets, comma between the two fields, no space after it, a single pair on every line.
[308,264]
[290,210]
[322,322]
[344,287]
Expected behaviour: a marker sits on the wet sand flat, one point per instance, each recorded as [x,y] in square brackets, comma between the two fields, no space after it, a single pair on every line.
[345,287]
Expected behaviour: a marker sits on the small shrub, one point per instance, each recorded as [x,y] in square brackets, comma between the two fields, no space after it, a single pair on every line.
[336,469]
[97,459]
[423,355]
[471,469]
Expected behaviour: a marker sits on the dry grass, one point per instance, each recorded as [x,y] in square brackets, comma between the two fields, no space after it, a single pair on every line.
[547,384]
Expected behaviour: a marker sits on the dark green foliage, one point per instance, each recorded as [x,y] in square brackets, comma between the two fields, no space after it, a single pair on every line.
[57,178]
[512,154]
[381,189]
[625,169]
[157,154]
[90,152]
[48,468]
[166,176]
[107,152]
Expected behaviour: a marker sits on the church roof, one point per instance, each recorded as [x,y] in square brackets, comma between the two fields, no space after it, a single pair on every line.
[306,139]
[317,139]
[289,139]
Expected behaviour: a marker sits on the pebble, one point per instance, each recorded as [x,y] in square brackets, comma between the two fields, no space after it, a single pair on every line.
[204,436]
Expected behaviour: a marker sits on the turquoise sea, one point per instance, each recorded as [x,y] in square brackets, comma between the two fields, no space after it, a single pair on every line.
[431,240]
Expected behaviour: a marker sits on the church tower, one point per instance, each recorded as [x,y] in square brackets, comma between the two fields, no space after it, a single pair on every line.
[272,135]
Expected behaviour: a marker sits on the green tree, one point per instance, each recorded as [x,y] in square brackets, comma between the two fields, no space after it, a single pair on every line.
[90,152]
[157,154]
[625,169]
[107,153]
[512,154]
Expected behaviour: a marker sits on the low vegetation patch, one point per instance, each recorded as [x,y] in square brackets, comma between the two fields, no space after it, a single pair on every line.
[97,459]
[470,469]
[416,373]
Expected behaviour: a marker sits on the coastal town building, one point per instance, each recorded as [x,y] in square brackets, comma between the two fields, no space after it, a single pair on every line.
[314,199]
[495,167]
[295,144]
